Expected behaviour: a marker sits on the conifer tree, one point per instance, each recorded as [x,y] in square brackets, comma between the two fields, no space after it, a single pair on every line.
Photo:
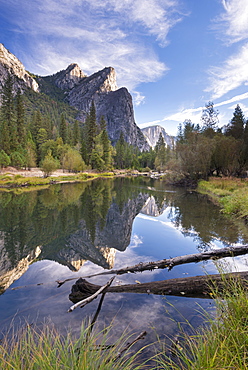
[76,133]
[106,145]
[236,125]
[20,120]
[91,128]
[8,130]
[63,128]
[120,151]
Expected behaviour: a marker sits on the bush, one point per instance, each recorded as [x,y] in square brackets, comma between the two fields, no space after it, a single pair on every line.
[49,165]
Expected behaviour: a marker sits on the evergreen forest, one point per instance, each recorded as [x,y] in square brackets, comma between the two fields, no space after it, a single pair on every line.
[40,130]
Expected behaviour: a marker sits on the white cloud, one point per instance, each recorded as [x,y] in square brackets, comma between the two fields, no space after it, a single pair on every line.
[232,74]
[138,98]
[235,20]
[191,113]
[95,34]
[234,99]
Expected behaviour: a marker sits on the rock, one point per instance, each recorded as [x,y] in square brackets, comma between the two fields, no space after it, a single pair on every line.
[152,133]
[69,78]
[9,64]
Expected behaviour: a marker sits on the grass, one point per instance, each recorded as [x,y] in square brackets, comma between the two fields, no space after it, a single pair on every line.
[223,344]
[45,349]
[230,193]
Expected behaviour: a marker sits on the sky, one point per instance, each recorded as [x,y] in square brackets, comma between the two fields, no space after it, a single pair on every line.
[174,56]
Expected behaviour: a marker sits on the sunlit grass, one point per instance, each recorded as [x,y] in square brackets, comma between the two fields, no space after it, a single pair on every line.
[46,349]
[231,194]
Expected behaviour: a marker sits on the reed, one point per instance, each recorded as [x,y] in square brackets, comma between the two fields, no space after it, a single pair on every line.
[32,348]
[222,344]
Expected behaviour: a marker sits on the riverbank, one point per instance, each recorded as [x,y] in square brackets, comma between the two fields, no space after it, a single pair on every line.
[230,193]
[11,178]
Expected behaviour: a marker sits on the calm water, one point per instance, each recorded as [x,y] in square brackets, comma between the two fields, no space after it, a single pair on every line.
[74,230]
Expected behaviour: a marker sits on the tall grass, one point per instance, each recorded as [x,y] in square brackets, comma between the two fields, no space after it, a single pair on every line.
[44,349]
[223,344]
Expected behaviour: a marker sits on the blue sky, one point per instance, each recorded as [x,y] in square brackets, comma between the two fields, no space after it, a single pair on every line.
[173,55]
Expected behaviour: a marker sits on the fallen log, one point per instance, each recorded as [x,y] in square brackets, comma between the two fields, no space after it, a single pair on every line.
[84,301]
[171,262]
[196,286]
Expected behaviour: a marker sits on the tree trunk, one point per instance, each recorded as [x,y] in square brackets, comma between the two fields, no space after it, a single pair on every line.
[196,286]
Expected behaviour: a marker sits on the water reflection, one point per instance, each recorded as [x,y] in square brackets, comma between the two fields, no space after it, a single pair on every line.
[74,223]
[68,224]
[74,230]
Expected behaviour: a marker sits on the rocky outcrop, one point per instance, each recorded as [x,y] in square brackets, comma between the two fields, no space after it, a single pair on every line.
[117,109]
[90,87]
[152,133]
[114,104]
[9,64]
[68,78]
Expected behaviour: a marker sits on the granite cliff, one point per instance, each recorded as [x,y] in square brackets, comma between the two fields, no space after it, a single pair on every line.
[78,90]
[9,64]
[152,133]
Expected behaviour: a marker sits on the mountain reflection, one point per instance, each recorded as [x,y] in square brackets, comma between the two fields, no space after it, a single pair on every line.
[71,223]
[74,223]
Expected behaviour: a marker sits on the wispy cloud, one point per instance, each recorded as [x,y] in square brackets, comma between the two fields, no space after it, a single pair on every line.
[232,24]
[232,74]
[95,34]
[234,20]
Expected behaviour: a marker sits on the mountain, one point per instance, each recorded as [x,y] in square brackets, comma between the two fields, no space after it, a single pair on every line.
[73,87]
[152,133]
[9,64]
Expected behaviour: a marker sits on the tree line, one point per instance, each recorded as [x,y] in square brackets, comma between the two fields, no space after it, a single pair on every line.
[36,131]
[33,133]
[204,150]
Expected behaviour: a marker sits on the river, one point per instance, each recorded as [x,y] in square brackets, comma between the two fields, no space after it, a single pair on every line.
[73,230]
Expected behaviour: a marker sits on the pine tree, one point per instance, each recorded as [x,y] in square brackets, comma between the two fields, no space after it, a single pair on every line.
[76,133]
[20,120]
[9,141]
[209,118]
[160,143]
[236,125]
[63,128]
[92,128]
[120,151]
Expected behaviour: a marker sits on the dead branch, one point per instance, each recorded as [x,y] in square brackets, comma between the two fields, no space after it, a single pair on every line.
[171,262]
[85,301]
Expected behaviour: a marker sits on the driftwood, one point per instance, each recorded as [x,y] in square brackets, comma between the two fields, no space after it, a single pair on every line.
[197,286]
[171,262]
[84,301]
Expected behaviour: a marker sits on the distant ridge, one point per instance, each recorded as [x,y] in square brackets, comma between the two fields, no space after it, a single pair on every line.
[152,133]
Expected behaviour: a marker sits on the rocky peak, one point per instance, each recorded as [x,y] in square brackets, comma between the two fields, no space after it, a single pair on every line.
[100,82]
[69,77]
[114,104]
[10,64]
